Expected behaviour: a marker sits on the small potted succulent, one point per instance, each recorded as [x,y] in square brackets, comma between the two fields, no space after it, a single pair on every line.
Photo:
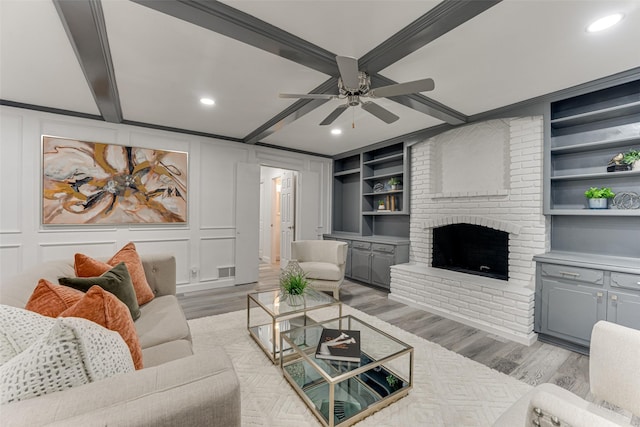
[394,183]
[380,205]
[598,198]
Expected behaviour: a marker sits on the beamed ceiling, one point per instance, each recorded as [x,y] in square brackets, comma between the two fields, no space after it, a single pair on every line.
[148,62]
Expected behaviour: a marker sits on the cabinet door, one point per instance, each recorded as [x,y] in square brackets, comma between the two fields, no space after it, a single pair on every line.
[569,311]
[361,265]
[624,309]
[347,269]
[381,269]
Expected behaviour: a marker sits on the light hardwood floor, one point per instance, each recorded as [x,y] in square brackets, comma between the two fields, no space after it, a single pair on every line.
[535,364]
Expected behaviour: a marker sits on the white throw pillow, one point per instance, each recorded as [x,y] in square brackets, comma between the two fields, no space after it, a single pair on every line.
[19,328]
[74,352]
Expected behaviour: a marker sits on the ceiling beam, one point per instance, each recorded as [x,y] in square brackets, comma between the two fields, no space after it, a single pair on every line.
[83,21]
[438,21]
[241,26]
[293,112]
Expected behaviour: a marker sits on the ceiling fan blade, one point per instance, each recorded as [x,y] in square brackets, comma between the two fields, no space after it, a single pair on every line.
[307,96]
[349,72]
[380,112]
[415,86]
[334,114]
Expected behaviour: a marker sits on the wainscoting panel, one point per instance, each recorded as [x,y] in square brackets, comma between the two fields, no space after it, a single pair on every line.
[10,260]
[215,253]
[11,185]
[52,251]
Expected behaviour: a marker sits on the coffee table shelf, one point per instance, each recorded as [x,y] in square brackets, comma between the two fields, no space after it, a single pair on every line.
[342,393]
[269,314]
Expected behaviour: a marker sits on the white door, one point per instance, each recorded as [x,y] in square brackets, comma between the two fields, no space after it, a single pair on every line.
[308,224]
[247,222]
[261,227]
[287,215]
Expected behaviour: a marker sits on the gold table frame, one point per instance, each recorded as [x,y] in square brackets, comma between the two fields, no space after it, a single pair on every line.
[281,313]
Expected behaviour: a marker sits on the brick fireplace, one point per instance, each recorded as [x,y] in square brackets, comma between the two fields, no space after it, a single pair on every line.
[487,174]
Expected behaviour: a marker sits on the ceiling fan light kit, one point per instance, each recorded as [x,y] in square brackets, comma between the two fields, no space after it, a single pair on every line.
[354,84]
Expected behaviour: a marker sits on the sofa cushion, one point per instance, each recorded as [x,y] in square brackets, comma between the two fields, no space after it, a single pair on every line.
[321,270]
[105,309]
[162,320]
[166,352]
[73,352]
[86,266]
[50,300]
[117,281]
[19,328]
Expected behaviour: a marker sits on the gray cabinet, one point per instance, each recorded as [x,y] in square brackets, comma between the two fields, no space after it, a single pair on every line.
[371,258]
[361,265]
[574,291]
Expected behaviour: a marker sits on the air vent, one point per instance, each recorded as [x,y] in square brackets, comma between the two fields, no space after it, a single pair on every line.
[226,272]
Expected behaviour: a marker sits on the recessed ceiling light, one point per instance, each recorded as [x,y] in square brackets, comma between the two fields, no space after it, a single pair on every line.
[604,23]
[336,131]
[207,101]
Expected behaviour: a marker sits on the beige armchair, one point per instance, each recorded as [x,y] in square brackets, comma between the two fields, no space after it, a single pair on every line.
[614,376]
[323,261]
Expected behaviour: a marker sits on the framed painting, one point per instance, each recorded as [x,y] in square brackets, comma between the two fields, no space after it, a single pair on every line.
[96,183]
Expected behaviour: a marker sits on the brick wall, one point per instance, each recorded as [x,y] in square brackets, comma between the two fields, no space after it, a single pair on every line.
[515,206]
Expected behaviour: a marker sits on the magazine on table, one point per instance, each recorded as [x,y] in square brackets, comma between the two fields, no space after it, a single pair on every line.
[339,344]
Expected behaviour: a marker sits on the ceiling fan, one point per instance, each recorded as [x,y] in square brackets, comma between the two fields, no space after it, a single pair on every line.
[354,84]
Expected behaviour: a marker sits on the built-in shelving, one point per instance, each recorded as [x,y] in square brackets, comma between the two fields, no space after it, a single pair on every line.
[587,131]
[362,181]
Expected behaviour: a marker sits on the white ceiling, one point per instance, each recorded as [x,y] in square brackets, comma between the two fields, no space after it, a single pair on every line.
[512,52]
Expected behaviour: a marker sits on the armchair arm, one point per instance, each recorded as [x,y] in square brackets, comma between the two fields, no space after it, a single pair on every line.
[614,365]
[202,389]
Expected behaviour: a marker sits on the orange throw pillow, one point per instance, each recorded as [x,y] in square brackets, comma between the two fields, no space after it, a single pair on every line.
[86,266]
[50,300]
[105,309]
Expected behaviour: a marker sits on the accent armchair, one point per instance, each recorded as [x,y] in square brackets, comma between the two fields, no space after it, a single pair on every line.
[614,376]
[323,261]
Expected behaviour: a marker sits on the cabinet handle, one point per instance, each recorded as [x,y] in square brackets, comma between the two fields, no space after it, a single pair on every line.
[614,297]
[599,294]
[568,273]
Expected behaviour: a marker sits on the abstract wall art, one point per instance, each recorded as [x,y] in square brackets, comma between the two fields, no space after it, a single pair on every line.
[96,183]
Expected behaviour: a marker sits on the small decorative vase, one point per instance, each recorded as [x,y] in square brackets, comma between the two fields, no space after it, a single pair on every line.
[295,300]
[394,187]
[598,203]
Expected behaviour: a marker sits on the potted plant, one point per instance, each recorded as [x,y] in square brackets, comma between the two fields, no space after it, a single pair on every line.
[598,197]
[394,183]
[632,157]
[293,284]
[380,204]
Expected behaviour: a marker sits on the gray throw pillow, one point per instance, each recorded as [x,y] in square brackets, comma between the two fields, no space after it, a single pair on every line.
[117,281]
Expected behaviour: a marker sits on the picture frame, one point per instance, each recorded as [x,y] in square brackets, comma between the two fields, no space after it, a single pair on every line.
[85,182]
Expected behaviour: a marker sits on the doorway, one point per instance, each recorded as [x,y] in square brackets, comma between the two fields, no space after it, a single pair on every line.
[277,213]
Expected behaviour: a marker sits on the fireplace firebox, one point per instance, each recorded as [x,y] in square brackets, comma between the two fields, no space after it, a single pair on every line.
[472,249]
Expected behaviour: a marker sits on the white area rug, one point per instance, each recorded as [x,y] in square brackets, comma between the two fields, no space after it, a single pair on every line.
[449,389]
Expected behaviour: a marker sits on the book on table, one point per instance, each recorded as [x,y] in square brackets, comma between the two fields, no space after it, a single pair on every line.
[339,344]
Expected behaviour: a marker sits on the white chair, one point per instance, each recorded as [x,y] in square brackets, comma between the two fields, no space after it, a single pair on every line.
[323,261]
[614,376]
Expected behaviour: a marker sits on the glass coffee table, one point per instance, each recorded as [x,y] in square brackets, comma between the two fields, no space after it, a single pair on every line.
[269,314]
[342,393]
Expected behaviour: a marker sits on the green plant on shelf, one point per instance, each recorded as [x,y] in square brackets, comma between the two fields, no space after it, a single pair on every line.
[631,156]
[599,193]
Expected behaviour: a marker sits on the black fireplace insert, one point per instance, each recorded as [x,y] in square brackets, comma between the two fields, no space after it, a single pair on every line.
[472,249]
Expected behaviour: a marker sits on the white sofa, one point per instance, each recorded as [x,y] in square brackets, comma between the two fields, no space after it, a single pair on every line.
[323,261]
[614,376]
[175,388]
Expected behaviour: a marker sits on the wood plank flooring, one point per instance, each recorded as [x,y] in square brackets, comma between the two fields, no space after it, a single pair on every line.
[534,365]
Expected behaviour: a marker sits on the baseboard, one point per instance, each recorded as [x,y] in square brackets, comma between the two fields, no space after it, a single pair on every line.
[525,340]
